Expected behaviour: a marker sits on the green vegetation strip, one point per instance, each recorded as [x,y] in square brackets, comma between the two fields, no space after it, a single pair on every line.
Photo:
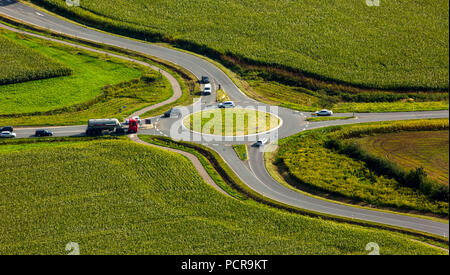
[346,172]
[115,210]
[313,119]
[289,95]
[241,151]
[21,63]
[229,177]
[334,55]
[221,96]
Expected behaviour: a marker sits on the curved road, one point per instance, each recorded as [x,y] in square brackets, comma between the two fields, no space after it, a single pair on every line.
[255,176]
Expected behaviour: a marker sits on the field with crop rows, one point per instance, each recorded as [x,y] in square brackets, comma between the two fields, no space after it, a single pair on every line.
[346,41]
[118,197]
[231,122]
[427,149]
[21,64]
[313,164]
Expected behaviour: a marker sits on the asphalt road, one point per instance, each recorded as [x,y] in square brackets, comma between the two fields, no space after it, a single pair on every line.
[255,176]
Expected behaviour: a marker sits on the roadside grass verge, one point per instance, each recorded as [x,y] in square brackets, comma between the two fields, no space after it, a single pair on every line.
[171,203]
[241,151]
[310,160]
[21,64]
[315,119]
[286,93]
[221,96]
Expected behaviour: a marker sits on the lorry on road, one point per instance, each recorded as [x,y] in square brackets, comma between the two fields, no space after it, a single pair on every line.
[98,127]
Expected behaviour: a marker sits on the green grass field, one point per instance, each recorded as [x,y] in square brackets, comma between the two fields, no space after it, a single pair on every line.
[231,122]
[21,64]
[315,166]
[116,197]
[90,75]
[346,41]
[99,87]
[427,149]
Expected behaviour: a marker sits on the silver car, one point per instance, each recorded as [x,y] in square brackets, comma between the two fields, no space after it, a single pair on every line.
[226,104]
[7,134]
[324,112]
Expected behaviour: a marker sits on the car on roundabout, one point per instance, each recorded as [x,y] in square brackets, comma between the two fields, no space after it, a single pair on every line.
[226,104]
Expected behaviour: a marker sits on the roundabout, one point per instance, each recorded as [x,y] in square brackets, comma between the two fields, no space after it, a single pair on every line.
[236,122]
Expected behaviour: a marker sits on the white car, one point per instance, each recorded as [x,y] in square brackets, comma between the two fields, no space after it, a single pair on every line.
[6,134]
[227,104]
[324,112]
[207,89]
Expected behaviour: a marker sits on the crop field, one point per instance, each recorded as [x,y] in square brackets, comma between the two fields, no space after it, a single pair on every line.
[344,41]
[90,74]
[21,64]
[427,149]
[313,164]
[231,122]
[85,192]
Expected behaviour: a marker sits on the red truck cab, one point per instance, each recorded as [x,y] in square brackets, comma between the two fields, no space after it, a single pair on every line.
[133,126]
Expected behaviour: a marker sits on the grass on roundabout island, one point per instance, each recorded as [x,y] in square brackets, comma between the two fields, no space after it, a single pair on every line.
[231,122]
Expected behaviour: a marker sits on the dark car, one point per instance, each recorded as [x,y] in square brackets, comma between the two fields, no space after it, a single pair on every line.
[6,129]
[43,133]
[205,79]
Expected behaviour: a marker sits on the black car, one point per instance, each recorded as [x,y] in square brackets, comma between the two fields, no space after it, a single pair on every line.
[6,129]
[43,133]
[205,79]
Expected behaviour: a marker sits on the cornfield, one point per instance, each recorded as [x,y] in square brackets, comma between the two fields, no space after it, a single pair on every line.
[21,64]
[343,41]
[117,197]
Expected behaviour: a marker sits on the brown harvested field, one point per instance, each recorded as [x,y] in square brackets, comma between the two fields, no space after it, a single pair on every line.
[429,149]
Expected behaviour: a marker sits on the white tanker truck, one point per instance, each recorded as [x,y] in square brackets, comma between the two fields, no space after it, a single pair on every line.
[110,125]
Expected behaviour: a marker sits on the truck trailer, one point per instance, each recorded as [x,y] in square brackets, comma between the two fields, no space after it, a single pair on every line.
[98,127]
